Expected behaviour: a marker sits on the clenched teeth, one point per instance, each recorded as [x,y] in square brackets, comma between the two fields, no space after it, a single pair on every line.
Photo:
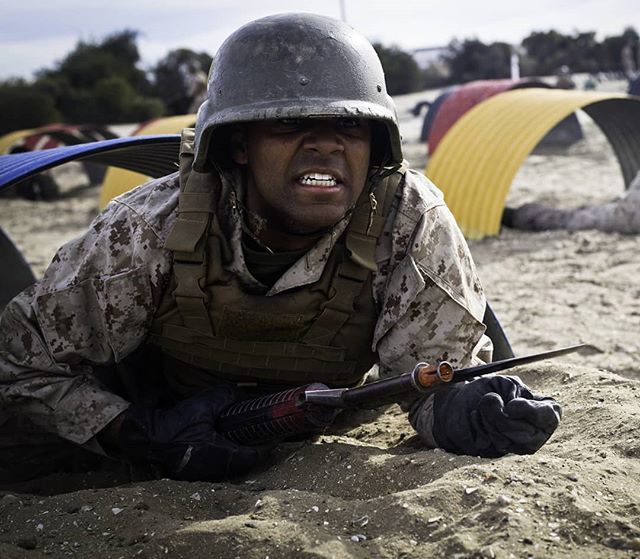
[318,179]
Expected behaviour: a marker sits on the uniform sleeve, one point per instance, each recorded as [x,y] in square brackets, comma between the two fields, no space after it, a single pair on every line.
[433,302]
[93,306]
[619,216]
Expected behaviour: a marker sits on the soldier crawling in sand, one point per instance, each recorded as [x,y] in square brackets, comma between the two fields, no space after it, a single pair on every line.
[292,246]
[618,216]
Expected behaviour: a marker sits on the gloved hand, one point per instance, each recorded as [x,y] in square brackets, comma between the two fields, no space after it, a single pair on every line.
[182,440]
[490,417]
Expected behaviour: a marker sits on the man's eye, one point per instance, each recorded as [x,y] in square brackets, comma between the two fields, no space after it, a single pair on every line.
[289,122]
[349,122]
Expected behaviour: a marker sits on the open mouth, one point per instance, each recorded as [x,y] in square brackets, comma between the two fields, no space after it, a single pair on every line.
[318,179]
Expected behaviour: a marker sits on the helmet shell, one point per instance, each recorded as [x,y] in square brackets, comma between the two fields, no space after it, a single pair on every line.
[295,66]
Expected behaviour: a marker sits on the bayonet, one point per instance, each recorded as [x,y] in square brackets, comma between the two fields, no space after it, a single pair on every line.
[310,408]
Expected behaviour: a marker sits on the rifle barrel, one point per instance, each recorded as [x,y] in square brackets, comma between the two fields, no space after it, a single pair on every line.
[368,395]
[422,379]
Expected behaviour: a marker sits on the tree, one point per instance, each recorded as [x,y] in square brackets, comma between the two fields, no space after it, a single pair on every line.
[473,60]
[100,82]
[401,70]
[24,106]
[547,49]
[613,47]
[581,51]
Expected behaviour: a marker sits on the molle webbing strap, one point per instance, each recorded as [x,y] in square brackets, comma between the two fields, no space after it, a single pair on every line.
[188,238]
[245,360]
[368,220]
[345,287]
[362,233]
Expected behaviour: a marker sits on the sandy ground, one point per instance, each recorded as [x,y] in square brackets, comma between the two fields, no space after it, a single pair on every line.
[368,489]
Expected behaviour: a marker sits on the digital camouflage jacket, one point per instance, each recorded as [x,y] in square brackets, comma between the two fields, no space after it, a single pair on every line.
[97,300]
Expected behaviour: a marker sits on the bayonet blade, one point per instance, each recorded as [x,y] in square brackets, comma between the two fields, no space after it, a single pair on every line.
[496,366]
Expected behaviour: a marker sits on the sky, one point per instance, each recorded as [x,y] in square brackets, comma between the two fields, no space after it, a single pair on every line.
[35,34]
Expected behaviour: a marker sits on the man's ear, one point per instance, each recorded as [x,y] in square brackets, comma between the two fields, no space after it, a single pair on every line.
[239,146]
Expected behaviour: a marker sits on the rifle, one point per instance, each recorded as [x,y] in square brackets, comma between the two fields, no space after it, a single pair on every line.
[313,407]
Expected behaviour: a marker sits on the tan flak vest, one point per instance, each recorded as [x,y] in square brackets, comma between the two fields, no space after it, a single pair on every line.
[211,329]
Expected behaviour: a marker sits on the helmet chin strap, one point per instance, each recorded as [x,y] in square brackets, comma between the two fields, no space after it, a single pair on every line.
[383,170]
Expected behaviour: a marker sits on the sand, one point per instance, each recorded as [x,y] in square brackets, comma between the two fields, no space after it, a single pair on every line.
[368,489]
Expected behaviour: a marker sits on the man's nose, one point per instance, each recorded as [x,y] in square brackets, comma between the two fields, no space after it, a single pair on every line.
[323,137]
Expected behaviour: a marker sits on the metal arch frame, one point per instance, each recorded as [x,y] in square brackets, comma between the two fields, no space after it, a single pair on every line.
[118,181]
[154,156]
[480,155]
[59,131]
[9,139]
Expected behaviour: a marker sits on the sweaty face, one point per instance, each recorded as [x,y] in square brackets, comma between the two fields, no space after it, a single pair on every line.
[303,175]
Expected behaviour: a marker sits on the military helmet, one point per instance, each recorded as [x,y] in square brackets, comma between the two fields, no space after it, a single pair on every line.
[297,66]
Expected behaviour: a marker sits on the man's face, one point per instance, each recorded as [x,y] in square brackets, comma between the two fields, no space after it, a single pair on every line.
[303,175]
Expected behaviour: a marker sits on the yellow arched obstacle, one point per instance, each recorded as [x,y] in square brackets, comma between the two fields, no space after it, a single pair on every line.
[117,180]
[11,138]
[480,155]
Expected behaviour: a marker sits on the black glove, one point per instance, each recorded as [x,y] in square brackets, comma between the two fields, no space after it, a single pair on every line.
[492,416]
[182,440]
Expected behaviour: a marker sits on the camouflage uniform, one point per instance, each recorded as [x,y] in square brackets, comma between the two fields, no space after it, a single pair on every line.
[97,300]
[619,216]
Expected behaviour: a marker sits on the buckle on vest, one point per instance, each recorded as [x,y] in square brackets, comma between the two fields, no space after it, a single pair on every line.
[188,275]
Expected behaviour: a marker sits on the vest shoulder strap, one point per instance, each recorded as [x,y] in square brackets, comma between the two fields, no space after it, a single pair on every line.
[363,231]
[188,238]
[369,218]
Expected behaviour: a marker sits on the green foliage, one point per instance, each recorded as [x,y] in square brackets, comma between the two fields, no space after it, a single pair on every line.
[116,55]
[473,60]
[110,100]
[552,50]
[541,53]
[581,51]
[401,70]
[24,106]
[101,83]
